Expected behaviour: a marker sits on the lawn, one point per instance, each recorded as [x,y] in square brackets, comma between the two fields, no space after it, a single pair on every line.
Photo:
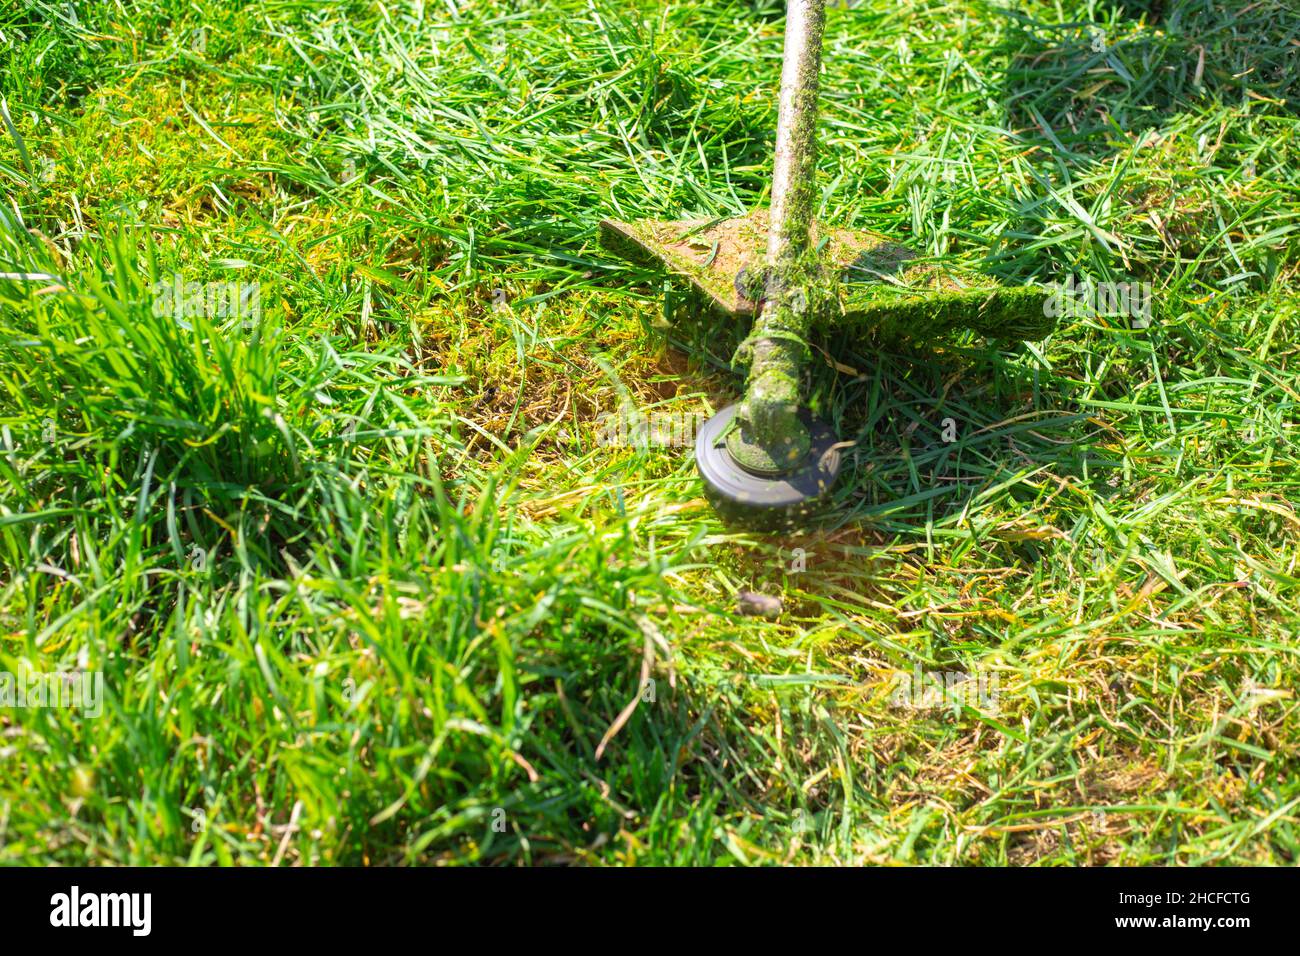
[308,358]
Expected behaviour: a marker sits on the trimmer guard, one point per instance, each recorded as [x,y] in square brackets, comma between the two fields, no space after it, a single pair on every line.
[885,286]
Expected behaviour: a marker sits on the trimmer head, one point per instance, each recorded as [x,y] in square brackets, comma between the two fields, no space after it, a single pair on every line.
[766,502]
[884,285]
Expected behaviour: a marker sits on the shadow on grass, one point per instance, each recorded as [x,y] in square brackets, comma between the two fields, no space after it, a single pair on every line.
[1076,86]
[1083,94]
[942,432]
[935,425]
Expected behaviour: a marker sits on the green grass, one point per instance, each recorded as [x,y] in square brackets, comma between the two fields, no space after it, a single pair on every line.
[364,586]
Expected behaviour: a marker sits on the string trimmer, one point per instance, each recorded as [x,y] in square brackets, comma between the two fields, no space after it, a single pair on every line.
[767,459]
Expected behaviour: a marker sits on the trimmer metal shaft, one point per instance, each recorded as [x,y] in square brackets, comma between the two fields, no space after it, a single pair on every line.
[770,437]
[795,166]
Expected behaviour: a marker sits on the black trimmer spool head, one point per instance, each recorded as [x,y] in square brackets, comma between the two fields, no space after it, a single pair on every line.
[763,502]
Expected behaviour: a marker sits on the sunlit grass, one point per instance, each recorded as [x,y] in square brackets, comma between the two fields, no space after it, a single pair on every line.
[364,583]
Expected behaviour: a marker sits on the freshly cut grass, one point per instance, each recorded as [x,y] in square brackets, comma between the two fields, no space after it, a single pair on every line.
[364,583]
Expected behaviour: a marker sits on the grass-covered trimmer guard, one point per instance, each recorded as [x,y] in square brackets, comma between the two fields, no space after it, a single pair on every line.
[767,459]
